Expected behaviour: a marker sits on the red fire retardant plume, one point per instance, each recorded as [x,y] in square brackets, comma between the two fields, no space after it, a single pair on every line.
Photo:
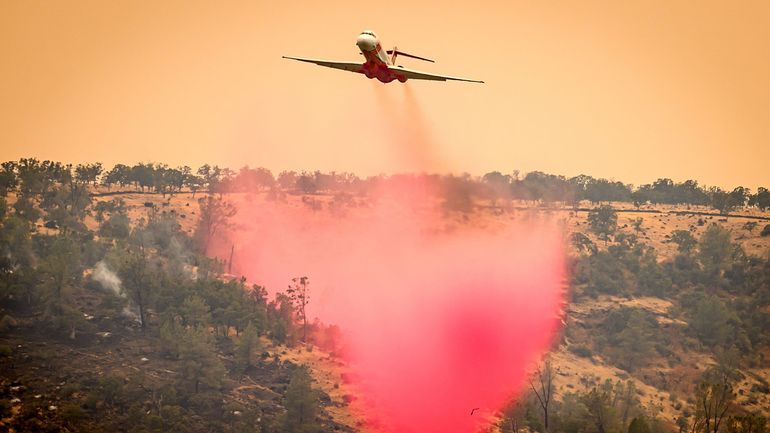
[436,321]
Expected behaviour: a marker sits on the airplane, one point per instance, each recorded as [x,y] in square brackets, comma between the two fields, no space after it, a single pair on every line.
[378,65]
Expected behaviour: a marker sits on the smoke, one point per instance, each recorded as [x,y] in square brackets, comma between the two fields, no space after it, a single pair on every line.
[110,282]
[108,279]
[130,311]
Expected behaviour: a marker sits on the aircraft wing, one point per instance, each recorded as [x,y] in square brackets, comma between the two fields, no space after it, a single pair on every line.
[345,66]
[417,75]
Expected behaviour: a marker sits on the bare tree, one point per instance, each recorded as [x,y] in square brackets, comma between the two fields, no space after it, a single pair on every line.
[544,388]
[714,398]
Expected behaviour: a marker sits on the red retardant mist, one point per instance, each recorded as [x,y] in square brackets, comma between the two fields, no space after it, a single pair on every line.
[439,316]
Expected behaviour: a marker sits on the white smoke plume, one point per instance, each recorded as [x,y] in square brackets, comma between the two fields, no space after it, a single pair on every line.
[131,312]
[108,279]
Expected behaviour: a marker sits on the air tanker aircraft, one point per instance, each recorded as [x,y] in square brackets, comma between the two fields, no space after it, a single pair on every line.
[378,65]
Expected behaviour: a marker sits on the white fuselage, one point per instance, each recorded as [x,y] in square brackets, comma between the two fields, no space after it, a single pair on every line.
[377,62]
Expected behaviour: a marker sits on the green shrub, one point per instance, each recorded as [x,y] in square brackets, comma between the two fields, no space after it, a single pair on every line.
[72,413]
[69,389]
[7,323]
[765,231]
[580,350]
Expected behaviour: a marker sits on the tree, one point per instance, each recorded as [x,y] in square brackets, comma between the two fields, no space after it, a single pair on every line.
[199,362]
[225,183]
[195,313]
[582,243]
[749,423]
[738,197]
[301,402]
[713,399]
[30,174]
[543,390]
[176,178]
[749,226]
[138,280]
[68,205]
[712,321]
[88,173]
[651,277]
[193,182]
[603,221]
[299,294]
[253,179]
[598,401]
[60,271]
[684,240]
[499,184]
[306,183]
[765,231]
[161,179]
[215,214]
[457,192]
[572,415]
[248,345]
[721,201]
[639,425]
[142,175]
[8,179]
[630,336]
[116,227]
[26,209]
[283,313]
[714,248]
[120,174]
[287,179]
[627,399]
[513,416]
[61,267]
[211,176]
[16,260]
[603,190]
[761,199]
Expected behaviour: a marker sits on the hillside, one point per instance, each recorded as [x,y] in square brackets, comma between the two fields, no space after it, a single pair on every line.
[663,299]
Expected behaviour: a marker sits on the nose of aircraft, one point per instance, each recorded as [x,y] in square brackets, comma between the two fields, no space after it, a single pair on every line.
[366,42]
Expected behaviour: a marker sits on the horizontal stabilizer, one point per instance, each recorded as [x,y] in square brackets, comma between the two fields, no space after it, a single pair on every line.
[396,52]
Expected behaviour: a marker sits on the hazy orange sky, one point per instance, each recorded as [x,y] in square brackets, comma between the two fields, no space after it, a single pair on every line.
[630,90]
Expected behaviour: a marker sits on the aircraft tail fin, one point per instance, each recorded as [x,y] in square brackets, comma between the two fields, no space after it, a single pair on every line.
[395,53]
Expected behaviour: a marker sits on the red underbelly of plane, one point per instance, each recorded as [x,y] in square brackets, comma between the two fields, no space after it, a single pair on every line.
[375,68]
